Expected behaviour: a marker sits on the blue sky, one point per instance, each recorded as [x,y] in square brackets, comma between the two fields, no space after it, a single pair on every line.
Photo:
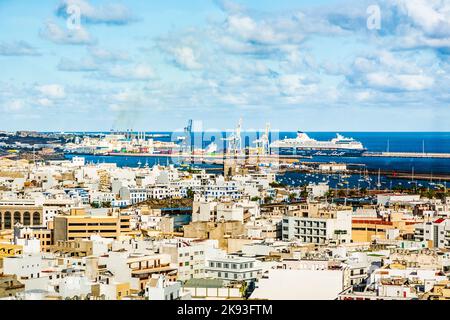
[152,65]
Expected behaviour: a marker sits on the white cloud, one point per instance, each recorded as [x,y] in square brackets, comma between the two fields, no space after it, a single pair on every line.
[431,16]
[139,72]
[56,34]
[45,102]
[111,13]
[103,54]
[14,105]
[406,82]
[52,91]
[86,64]
[18,48]
[185,57]
[295,88]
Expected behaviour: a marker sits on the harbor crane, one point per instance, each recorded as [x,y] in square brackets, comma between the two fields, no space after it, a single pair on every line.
[235,140]
[187,144]
[263,143]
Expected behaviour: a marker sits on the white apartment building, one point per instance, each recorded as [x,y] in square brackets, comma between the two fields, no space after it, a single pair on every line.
[318,230]
[392,198]
[317,190]
[159,288]
[233,268]
[189,257]
[24,266]
[437,233]
[205,209]
[301,284]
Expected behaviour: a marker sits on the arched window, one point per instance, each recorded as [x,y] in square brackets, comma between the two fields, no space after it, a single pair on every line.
[36,219]
[26,218]
[7,220]
[16,217]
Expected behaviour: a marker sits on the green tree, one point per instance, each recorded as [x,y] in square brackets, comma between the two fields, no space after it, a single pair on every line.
[277,185]
[268,199]
[190,193]
[292,197]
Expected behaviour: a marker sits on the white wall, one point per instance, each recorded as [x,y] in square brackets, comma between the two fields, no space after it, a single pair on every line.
[284,284]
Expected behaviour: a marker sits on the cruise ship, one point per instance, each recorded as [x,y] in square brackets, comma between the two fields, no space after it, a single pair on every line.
[303,145]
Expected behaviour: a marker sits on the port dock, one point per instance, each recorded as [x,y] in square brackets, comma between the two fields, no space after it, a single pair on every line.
[407,155]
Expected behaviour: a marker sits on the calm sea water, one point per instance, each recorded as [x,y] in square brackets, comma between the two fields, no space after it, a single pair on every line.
[374,141]
[432,142]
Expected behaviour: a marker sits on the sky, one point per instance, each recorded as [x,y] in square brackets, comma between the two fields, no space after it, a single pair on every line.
[311,65]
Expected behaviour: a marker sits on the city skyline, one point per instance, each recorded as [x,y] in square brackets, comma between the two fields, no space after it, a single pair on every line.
[301,65]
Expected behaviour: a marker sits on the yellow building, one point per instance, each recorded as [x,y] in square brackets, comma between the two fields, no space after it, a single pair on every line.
[73,227]
[73,248]
[440,291]
[9,250]
[21,212]
[122,290]
[10,286]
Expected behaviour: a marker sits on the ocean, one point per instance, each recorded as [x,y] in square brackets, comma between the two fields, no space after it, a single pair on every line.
[431,142]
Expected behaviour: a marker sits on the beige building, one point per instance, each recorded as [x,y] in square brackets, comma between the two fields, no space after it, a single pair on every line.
[21,212]
[369,229]
[10,286]
[81,226]
[73,248]
[220,231]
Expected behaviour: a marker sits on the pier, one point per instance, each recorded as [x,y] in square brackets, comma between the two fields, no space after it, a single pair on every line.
[407,155]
